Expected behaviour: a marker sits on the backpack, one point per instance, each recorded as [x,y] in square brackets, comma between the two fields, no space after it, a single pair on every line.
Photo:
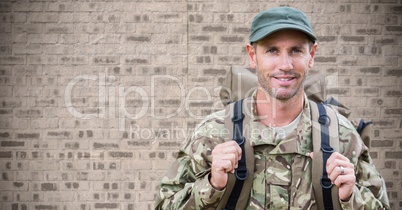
[240,83]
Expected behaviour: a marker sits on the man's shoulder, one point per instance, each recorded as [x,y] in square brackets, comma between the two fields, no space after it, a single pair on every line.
[345,123]
[207,134]
[211,124]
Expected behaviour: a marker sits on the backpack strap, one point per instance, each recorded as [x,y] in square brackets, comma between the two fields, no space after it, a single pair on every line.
[325,134]
[239,184]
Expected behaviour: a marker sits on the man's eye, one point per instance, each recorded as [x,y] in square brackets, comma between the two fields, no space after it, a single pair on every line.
[272,50]
[297,51]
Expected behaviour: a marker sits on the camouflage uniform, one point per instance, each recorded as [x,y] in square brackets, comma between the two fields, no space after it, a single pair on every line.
[282,176]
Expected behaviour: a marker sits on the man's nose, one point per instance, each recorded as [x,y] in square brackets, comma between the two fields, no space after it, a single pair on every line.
[285,62]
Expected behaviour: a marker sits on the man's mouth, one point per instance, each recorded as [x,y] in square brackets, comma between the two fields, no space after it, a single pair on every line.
[284,78]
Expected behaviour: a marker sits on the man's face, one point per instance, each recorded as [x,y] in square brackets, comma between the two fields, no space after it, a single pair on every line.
[282,60]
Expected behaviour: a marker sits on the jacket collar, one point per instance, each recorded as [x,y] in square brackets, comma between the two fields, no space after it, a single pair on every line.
[299,141]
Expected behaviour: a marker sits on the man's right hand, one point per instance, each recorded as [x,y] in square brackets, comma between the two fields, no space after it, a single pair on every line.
[225,158]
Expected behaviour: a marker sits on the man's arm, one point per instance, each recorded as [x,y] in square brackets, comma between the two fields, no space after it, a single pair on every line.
[187,183]
[369,191]
[182,188]
[370,187]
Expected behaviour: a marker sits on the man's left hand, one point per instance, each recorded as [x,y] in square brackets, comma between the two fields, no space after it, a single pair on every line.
[341,172]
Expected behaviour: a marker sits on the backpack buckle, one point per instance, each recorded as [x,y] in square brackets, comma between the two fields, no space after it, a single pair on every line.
[237,118]
[241,174]
[240,141]
[326,183]
[324,120]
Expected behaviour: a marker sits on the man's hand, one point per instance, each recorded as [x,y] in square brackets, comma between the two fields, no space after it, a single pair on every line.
[341,173]
[225,158]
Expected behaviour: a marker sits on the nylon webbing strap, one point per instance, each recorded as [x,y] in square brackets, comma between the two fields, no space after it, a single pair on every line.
[241,172]
[327,150]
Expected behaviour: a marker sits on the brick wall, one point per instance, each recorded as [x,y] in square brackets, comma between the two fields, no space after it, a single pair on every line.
[97,96]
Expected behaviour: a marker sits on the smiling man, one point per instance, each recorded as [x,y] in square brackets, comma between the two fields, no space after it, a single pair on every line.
[282,49]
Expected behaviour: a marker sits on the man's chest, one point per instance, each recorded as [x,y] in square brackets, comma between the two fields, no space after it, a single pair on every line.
[281,181]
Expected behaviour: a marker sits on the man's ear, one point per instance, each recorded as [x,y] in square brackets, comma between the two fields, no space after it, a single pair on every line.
[251,56]
[312,54]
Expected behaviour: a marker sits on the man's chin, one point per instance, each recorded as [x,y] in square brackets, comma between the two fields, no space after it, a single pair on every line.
[283,95]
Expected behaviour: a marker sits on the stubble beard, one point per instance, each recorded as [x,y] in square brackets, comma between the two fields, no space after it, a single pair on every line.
[276,93]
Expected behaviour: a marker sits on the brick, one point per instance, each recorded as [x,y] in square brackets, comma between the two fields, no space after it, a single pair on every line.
[13,18]
[136,61]
[326,38]
[41,144]
[397,29]
[200,38]
[99,145]
[393,155]
[12,144]
[382,143]
[392,93]
[5,112]
[393,112]
[13,165]
[89,6]
[366,92]
[86,28]
[44,165]
[45,207]
[59,197]
[394,72]
[5,7]
[28,135]
[59,7]
[120,155]
[6,197]
[232,39]
[108,60]
[6,154]
[4,135]
[386,102]
[229,59]
[138,38]
[137,165]
[169,18]
[48,187]
[90,176]
[58,176]
[338,91]
[392,134]
[59,134]
[31,7]
[74,186]
[42,59]
[14,186]
[319,59]
[107,205]
[214,29]
[10,60]
[106,165]
[353,38]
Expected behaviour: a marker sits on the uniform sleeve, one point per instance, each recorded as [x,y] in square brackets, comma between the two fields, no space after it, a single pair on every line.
[181,188]
[370,191]
[186,183]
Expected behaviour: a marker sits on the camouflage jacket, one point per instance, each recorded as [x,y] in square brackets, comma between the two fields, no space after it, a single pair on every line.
[282,175]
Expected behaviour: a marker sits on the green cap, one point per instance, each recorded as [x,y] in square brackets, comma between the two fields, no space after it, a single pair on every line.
[280,18]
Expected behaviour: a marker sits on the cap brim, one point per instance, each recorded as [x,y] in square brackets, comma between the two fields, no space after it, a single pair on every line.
[265,32]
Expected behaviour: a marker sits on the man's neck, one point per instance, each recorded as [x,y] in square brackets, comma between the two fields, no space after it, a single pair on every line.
[277,113]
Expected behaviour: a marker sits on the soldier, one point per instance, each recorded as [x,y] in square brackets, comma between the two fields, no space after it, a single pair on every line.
[282,49]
